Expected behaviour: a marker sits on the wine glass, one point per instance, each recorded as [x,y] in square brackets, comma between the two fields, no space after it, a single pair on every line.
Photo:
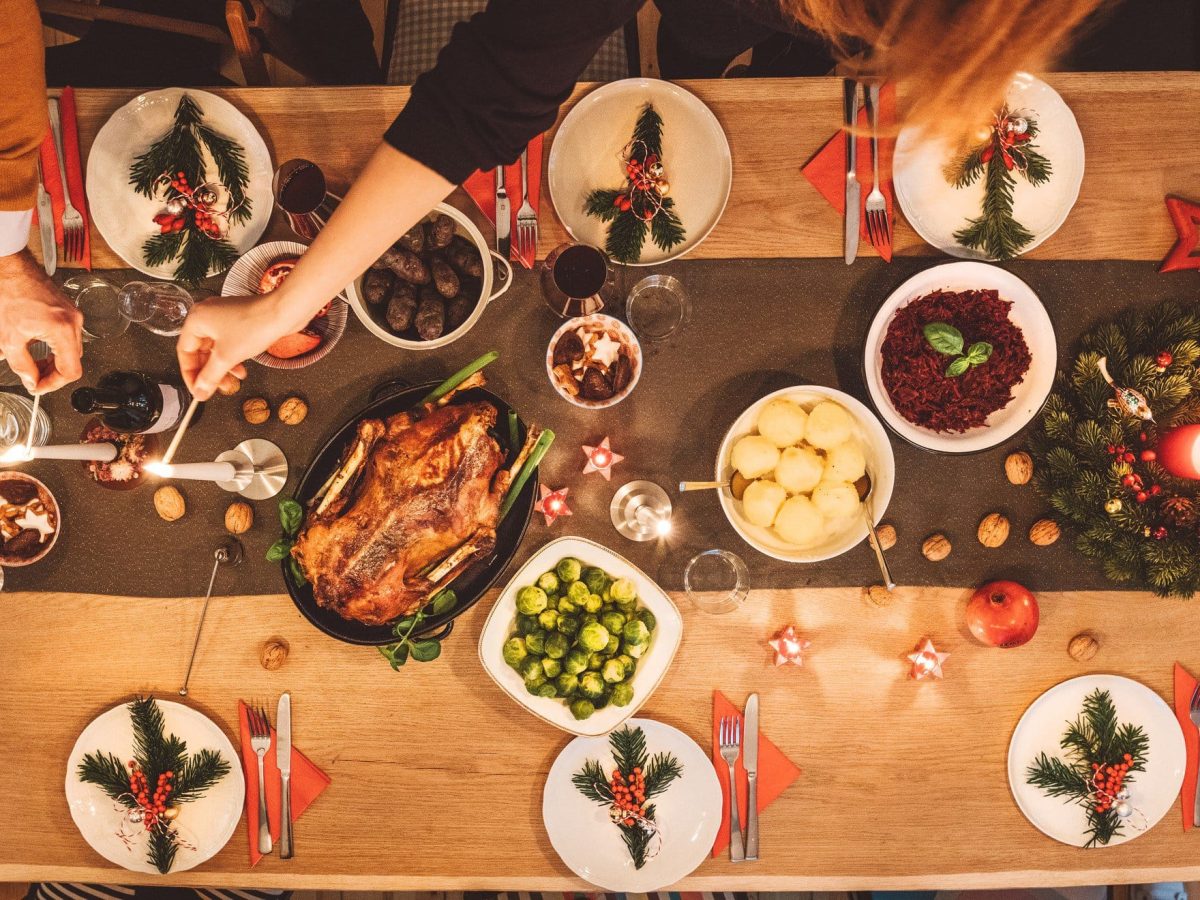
[577,280]
[158,306]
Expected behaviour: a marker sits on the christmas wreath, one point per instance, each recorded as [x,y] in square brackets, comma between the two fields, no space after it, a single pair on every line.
[1094,448]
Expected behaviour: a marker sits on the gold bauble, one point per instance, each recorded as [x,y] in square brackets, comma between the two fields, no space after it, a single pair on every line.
[1113,506]
[663,187]
[171,813]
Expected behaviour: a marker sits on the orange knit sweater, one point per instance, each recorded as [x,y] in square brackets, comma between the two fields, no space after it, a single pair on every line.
[23,116]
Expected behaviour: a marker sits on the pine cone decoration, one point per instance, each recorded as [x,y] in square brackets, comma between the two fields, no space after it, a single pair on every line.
[1179,511]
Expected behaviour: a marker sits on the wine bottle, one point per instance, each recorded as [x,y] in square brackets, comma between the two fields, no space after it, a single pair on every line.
[133,403]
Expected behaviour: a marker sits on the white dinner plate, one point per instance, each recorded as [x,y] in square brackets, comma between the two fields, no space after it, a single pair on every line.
[936,208]
[651,669]
[688,814]
[1040,729]
[587,155]
[205,825]
[124,217]
[1027,313]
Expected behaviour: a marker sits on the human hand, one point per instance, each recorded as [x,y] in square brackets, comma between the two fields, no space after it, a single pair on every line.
[32,308]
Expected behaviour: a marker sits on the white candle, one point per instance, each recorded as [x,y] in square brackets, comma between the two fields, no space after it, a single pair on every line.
[200,471]
[104,452]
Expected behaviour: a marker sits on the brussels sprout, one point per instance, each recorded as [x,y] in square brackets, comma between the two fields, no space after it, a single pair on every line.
[545,689]
[568,570]
[622,694]
[531,600]
[552,667]
[582,708]
[594,636]
[578,592]
[568,624]
[614,644]
[526,624]
[595,579]
[601,701]
[588,618]
[548,619]
[594,603]
[623,590]
[535,642]
[595,662]
[637,651]
[628,662]
[515,652]
[613,671]
[566,606]
[532,672]
[591,685]
[647,618]
[636,633]
[548,582]
[614,621]
[557,645]
[576,661]
[629,607]
[566,684]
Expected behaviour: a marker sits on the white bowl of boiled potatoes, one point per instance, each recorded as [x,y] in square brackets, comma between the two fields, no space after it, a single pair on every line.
[796,455]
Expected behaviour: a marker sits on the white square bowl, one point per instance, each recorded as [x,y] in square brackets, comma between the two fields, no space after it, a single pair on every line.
[664,640]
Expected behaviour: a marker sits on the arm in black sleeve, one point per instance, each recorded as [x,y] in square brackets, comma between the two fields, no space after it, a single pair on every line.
[500,81]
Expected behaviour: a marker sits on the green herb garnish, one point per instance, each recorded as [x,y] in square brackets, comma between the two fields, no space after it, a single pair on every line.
[948,340]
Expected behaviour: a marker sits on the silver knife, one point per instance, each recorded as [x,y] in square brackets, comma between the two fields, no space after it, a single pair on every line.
[283,759]
[503,214]
[750,761]
[46,225]
[853,188]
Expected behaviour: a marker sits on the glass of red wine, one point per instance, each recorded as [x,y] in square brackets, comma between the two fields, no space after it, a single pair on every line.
[300,191]
[578,280]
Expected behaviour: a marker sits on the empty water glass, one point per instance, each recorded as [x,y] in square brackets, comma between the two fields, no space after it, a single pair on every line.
[157,306]
[96,298]
[15,411]
[716,581]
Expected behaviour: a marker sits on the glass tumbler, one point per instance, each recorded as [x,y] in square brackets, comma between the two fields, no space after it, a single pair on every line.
[97,299]
[716,581]
[15,411]
[656,307]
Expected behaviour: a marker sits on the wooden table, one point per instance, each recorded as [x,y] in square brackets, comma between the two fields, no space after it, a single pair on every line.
[437,777]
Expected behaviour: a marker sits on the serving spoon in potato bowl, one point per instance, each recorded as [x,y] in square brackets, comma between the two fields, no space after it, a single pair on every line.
[865,486]
[736,484]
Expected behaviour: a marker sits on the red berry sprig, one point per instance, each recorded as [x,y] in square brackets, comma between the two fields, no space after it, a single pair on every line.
[629,796]
[153,805]
[1107,781]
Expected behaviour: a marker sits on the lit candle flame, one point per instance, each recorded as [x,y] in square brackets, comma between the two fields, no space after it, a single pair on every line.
[159,468]
[16,453]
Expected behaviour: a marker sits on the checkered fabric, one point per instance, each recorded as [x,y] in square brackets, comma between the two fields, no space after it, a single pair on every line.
[423,28]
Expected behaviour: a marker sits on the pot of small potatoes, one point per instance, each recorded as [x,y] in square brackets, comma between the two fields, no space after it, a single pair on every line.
[797,454]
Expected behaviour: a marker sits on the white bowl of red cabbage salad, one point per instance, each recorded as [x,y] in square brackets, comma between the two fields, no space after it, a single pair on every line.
[960,357]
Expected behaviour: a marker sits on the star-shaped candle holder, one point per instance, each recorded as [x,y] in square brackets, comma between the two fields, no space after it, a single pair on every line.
[552,504]
[601,459]
[1185,216]
[789,646]
[926,661]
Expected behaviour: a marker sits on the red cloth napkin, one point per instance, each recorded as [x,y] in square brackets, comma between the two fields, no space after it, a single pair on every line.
[827,169]
[71,162]
[775,773]
[1185,684]
[481,186]
[307,784]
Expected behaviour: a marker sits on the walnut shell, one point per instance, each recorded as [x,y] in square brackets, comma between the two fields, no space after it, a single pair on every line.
[887,536]
[239,517]
[293,411]
[877,595]
[1083,646]
[1019,467]
[229,385]
[273,654]
[993,530]
[169,503]
[936,547]
[256,410]
[1044,532]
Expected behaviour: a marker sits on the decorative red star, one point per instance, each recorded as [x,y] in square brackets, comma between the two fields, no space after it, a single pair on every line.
[601,459]
[926,661]
[1186,218]
[789,646]
[552,503]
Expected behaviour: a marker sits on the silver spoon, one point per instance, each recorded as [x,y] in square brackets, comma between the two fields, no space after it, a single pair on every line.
[737,485]
[865,487]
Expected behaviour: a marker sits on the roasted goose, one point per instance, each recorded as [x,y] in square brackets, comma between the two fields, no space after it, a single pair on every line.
[415,500]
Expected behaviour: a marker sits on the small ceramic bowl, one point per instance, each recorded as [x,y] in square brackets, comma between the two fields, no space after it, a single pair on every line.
[55,517]
[623,335]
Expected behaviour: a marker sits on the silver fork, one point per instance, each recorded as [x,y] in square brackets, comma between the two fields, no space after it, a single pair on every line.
[878,229]
[527,223]
[72,221]
[260,743]
[730,735]
[1196,721]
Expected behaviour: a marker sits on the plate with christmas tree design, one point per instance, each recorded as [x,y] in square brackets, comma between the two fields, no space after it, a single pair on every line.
[1096,719]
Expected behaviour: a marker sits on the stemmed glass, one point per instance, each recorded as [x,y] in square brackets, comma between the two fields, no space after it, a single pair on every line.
[158,306]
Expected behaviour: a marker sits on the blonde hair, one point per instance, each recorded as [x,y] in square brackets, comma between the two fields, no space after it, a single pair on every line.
[954,57]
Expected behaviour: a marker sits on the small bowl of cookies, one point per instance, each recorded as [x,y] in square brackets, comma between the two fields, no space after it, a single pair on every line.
[594,361]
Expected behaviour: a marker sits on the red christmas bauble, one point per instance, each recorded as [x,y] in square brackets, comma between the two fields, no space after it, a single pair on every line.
[1002,614]
[1179,451]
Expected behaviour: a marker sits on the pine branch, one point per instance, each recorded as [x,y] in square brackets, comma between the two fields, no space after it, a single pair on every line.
[969,168]
[664,768]
[600,203]
[592,783]
[648,131]
[232,170]
[197,774]
[1056,778]
[106,772]
[202,255]
[162,848]
[176,151]
[665,228]
[155,751]
[162,248]
[626,235]
[996,232]
[629,749]
[637,840]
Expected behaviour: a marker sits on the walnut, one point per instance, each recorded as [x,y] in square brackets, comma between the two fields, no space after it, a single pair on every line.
[293,411]
[239,517]
[1019,467]
[273,654]
[887,536]
[1044,532]
[877,595]
[229,385]
[1083,646]
[169,503]
[936,547]
[256,410]
[993,530]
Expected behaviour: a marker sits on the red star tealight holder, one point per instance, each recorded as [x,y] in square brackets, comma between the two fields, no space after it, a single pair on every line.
[601,458]
[926,661]
[1186,218]
[789,646]
[552,504]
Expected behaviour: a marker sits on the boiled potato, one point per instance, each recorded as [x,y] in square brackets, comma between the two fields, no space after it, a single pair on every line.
[845,462]
[835,499]
[762,501]
[828,426]
[782,422]
[799,522]
[754,456]
[800,469]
